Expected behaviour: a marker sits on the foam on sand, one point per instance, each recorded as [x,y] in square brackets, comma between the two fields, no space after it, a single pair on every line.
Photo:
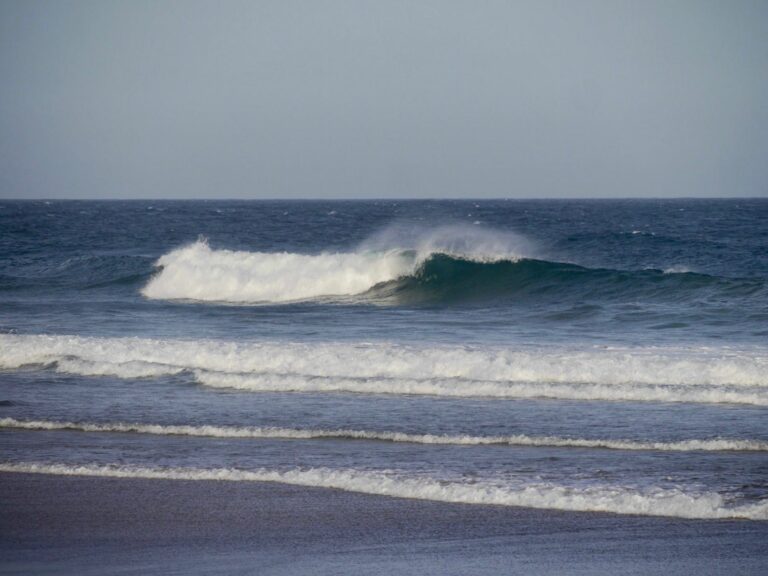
[615,499]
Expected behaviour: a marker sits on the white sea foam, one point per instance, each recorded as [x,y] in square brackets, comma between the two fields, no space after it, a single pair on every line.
[709,375]
[197,272]
[715,444]
[677,269]
[464,388]
[615,499]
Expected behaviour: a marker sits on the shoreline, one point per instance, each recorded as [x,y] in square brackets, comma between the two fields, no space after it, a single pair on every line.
[87,525]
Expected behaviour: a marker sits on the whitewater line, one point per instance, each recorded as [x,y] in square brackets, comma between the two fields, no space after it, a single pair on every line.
[134,357]
[699,394]
[614,499]
[715,444]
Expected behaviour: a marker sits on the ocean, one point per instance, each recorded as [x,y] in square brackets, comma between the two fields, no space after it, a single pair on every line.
[606,356]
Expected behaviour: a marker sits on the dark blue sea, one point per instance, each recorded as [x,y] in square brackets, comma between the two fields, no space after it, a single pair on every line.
[606,356]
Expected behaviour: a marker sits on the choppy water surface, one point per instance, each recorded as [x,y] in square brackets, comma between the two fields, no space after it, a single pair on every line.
[578,355]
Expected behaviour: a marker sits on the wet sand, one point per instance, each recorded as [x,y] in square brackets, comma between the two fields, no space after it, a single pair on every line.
[80,525]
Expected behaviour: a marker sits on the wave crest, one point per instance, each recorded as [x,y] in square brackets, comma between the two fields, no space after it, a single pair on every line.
[443,267]
[197,272]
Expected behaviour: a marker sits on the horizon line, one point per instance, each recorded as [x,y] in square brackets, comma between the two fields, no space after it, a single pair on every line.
[380,199]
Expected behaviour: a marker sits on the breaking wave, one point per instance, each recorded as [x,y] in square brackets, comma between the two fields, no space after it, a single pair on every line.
[197,272]
[714,444]
[614,499]
[399,266]
[707,375]
[444,265]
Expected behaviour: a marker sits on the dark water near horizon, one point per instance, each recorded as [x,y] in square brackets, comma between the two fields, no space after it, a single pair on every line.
[578,355]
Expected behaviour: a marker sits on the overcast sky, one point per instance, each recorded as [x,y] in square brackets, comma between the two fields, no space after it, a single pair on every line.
[383,98]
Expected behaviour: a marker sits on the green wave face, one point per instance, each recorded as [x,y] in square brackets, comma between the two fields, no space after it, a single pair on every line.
[442,278]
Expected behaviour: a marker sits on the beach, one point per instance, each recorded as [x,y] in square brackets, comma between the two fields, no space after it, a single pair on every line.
[81,525]
[383,288]
[447,387]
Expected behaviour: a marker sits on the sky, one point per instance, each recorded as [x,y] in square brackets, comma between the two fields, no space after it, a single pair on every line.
[383,98]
